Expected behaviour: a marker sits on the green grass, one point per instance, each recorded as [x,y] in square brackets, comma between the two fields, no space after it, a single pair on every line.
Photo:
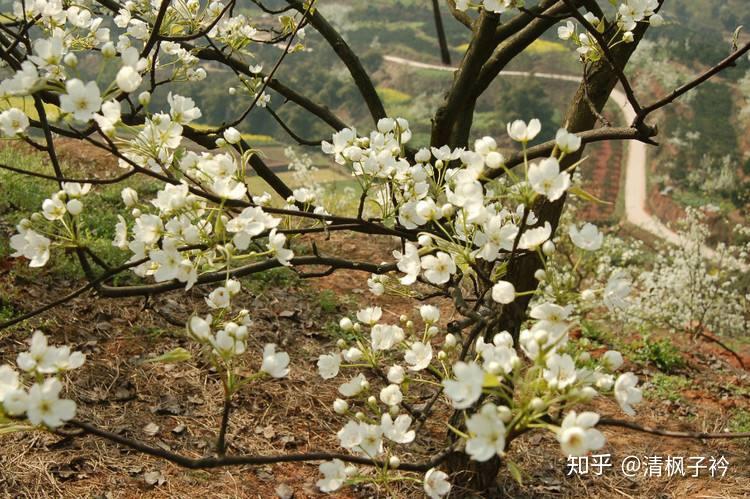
[279,278]
[21,195]
[667,387]
[698,199]
[596,333]
[328,301]
[740,421]
[659,353]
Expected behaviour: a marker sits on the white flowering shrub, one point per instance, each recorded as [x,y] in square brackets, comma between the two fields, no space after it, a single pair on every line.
[475,225]
[685,291]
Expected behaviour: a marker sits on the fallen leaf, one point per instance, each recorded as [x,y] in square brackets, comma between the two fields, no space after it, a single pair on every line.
[154,478]
[284,491]
[151,429]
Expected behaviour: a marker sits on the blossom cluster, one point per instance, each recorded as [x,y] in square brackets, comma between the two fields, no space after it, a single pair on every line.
[58,220]
[626,18]
[41,366]
[224,336]
[531,385]
[684,290]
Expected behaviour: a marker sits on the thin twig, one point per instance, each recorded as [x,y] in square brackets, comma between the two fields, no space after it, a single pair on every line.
[252,460]
[669,433]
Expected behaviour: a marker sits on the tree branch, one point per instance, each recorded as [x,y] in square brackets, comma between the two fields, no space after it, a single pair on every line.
[728,62]
[669,433]
[445,54]
[249,460]
[460,16]
[349,58]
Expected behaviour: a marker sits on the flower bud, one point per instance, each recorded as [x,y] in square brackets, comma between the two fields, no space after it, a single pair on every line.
[220,142]
[584,357]
[588,294]
[541,336]
[612,359]
[233,286]
[503,292]
[129,197]
[232,135]
[403,318]
[232,91]
[341,343]
[548,247]
[432,331]
[74,206]
[494,160]
[442,355]
[447,210]
[357,327]
[450,341]
[394,462]
[656,20]
[537,404]
[386,125]
[135,212]
[504,413]
[372,401]
[360,416]
[144,98]
[340,406]
[353,354]
[424,240]
[70,59]
[109,50]
[605,383]
[423,155]
[396,375]
[36,217]
[345,323]
[587,393]
[540,275]
[409,324]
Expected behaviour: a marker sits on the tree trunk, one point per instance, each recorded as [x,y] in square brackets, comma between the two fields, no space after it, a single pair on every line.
[472,479]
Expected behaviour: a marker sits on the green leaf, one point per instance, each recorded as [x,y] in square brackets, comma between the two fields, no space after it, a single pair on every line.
[490,380]
[515,472]
[179,354]
[586,195]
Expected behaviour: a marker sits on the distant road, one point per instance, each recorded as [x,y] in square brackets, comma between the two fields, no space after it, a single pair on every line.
[635,165]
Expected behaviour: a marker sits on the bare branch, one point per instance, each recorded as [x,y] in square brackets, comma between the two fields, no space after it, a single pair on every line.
[728,62]
[669,433]
[248,460]
[445,54]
